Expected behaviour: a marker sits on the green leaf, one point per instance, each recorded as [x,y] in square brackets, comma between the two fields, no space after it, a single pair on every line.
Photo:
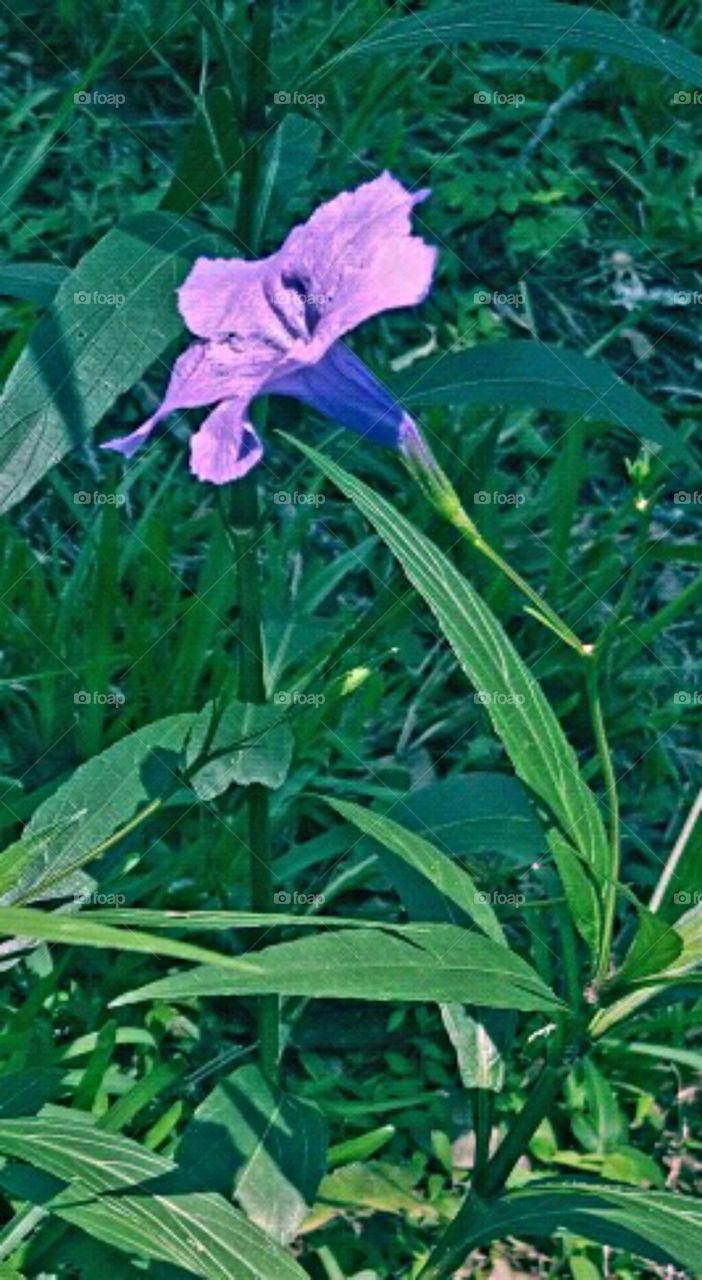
[656,945]
[485,819]
[434,962]
[580,891]
[84,354]
[520,713]
[265,1147]
[81,931]
[252,744]
[151,1213]
[31,281]
[449,879]
[101,797]
[656,1225]
[543,377]
[384,1188]
[531,24]
[689,929]
[479,1042]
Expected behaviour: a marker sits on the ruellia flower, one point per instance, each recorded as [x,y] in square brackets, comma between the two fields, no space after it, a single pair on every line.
[276,327]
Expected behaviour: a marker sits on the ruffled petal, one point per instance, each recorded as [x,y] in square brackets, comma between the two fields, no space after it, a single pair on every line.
[356,256]
[204,374]
[342,387]
[226,446]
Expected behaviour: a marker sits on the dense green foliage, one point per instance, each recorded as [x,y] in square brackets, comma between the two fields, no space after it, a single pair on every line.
[351,869]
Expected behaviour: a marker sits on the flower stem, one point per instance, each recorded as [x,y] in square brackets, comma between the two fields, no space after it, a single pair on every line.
[245,524]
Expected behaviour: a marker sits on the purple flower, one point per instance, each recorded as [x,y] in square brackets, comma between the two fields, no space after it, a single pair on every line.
[275,326]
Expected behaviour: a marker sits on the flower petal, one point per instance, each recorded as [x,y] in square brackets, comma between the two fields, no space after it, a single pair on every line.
[226,446]
[205,373]
[342,387]
[356,256]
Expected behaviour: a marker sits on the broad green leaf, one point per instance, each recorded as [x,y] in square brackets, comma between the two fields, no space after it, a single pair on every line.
[486,820]
[543,377]
[433,962]
[251,744]
[520,713]
[689,929]
[605,1126]
[139,1202]
[447,877]
[31,281]
[85,352]
[265,1147]
[657,1225]
[101,797]
[384,1188]
[532,24]
[208,152]
[479,1041]
[81,931]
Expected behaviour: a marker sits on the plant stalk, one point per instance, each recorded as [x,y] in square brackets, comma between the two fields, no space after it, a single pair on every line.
[245,525]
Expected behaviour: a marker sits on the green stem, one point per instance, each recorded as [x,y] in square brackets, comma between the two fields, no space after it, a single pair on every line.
[245,525]
[451,1250]
[610,779]
[254,120]
[483,1105]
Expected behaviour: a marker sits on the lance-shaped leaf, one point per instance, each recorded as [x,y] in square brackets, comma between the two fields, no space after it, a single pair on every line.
[434,962]
[139,1202]
[657,1225]
[532,24]
[521,716]
[543,377]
